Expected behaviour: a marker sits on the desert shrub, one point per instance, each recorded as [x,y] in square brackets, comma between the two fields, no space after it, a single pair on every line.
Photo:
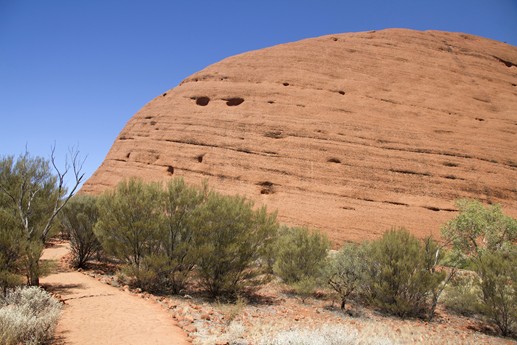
[305,288]
[300,254]
[478,228]
[463,295]
[129,221]
[231,238]
[11,250]
[33,189]
[346,270]
[399,279]
[178,251]
[27,316]
[78,219]
[498,282]
[484,240]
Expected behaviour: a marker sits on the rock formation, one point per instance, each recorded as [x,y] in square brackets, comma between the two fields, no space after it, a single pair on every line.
[350,133]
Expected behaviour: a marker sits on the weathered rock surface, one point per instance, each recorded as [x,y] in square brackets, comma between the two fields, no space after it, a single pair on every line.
[350,133]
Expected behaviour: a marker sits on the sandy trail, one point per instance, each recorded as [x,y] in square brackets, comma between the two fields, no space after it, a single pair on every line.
[96,313]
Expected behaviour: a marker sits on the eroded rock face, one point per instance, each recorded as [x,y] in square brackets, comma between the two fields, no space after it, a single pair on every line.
[350,133]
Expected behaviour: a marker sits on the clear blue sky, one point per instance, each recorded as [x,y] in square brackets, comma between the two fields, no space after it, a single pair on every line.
[74,72]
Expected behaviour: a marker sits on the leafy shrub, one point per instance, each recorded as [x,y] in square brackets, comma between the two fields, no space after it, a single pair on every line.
[400,280]
[27,316]
[11,250]
[35,195]
[300,254]
[129,222]
[232,239]
[178,251]
[463,295]
[346,270]
[78,219]
[305,287]
[485,240]
[478,228]
[498,282]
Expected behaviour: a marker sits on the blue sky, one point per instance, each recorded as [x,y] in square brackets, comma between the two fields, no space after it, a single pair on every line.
[74,72]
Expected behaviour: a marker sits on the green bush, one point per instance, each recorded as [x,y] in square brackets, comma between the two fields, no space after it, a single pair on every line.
[478,228]
[498,282]
[400,279]
[346,270]
[232,239]
[485,241]
[34,193]
[463,295]
[78,219]
[178,252]
[28,316]
[11,250]
[129,222]
[162,234]
[300,257]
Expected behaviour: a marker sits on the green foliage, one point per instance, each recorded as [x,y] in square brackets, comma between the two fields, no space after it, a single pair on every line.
[346,270]
[485,239]
[32,196]
[178,252]
[464,295]
[78,219]
[232,239]
[478,228]
[498,281]
[300,254]
[129,222]
[305,287]
[401,280]
[11,249]
[162,234]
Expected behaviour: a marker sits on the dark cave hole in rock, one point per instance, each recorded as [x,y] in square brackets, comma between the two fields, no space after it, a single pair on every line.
[285,84]
[202,101]
[170,169]
[200,158]
[341,92]
[450,164]
[129,154]
[267,187]
[480,119]
[232,102]
[334,160]
[271,102]
[164,94]
[274,134]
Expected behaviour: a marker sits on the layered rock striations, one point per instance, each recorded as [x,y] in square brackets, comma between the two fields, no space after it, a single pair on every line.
[351,133]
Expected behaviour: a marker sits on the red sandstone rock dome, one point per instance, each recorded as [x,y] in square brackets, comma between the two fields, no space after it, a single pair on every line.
[350,133]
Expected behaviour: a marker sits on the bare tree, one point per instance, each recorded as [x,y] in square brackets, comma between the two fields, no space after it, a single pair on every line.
[36,195]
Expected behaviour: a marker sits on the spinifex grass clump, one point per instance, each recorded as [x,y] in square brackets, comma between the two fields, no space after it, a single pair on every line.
[28,315]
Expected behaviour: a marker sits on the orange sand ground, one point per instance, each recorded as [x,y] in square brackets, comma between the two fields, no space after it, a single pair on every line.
[96,313]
